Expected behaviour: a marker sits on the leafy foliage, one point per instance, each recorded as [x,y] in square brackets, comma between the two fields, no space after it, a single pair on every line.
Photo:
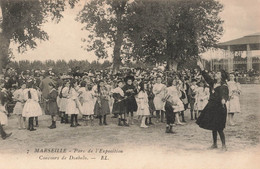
[174,30]
[22,20]
[107,21]
[59,66]
[152,31]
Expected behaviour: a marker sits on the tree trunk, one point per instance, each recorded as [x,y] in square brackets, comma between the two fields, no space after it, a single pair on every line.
[4,47]
[117,52]
[119,7]
[172,65]
[4,38]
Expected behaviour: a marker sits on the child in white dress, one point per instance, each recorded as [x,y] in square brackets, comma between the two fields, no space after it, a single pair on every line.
[201,98]
[63,94]
[87,98]
[142,102]
[18,96]
[159,91]
[32,107]
[233,104]
[72,107]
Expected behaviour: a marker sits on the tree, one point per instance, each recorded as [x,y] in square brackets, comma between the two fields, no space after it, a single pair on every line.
[174,31]
[21,22]
[108,24]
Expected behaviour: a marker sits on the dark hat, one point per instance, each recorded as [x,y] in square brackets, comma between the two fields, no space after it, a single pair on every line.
[129,77]
[21,82]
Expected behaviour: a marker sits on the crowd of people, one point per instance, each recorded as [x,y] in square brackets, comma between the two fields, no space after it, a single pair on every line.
[154,96]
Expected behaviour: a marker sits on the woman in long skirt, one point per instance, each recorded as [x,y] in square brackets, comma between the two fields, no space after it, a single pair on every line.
[101,108]
[233,103]
[213,116]
[52,104]
[32,107]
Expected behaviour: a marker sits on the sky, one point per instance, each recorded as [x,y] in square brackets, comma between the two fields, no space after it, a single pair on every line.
[241,17]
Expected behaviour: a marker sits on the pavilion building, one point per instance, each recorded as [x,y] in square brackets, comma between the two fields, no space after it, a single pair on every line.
[238,54]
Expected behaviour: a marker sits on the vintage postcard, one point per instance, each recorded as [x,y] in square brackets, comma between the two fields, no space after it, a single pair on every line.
[129,84]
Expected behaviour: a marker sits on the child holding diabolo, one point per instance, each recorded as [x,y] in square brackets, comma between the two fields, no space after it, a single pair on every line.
[119,106]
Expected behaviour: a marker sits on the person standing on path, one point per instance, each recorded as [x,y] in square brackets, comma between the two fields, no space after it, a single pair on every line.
[44,87]
[159,91]
[213,116]
[233,103]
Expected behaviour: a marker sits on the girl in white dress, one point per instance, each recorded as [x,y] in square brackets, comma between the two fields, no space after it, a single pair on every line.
[201,97]
[72,107]
[233,105]
[159,91]
[142,102]
[178,106]
[87,98]
[63,94]
[32,107]
[18,96]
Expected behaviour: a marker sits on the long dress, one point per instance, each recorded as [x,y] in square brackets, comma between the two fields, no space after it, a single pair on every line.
[31,107]
[233,105]
[88,102]
[119,106]
[72,106]
[18,96]
[159,91]
[202,97]
[213,116]
[52,102]
[142,102]
[101,107]
[130,92]
[150,100]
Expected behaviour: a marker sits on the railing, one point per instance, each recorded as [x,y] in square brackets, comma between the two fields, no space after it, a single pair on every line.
[249,80]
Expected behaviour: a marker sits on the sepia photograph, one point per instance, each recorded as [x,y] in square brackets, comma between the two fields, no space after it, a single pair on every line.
[129,84]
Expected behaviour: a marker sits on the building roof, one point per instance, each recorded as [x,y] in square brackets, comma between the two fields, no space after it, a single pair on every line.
[240,44]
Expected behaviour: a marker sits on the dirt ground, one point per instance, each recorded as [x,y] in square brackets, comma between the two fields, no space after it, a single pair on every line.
[134,147]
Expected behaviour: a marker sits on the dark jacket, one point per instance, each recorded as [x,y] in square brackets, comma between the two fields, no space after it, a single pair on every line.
[130,102]
[213,116]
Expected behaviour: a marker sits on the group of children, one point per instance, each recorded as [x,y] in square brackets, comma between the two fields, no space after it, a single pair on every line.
[167,100]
